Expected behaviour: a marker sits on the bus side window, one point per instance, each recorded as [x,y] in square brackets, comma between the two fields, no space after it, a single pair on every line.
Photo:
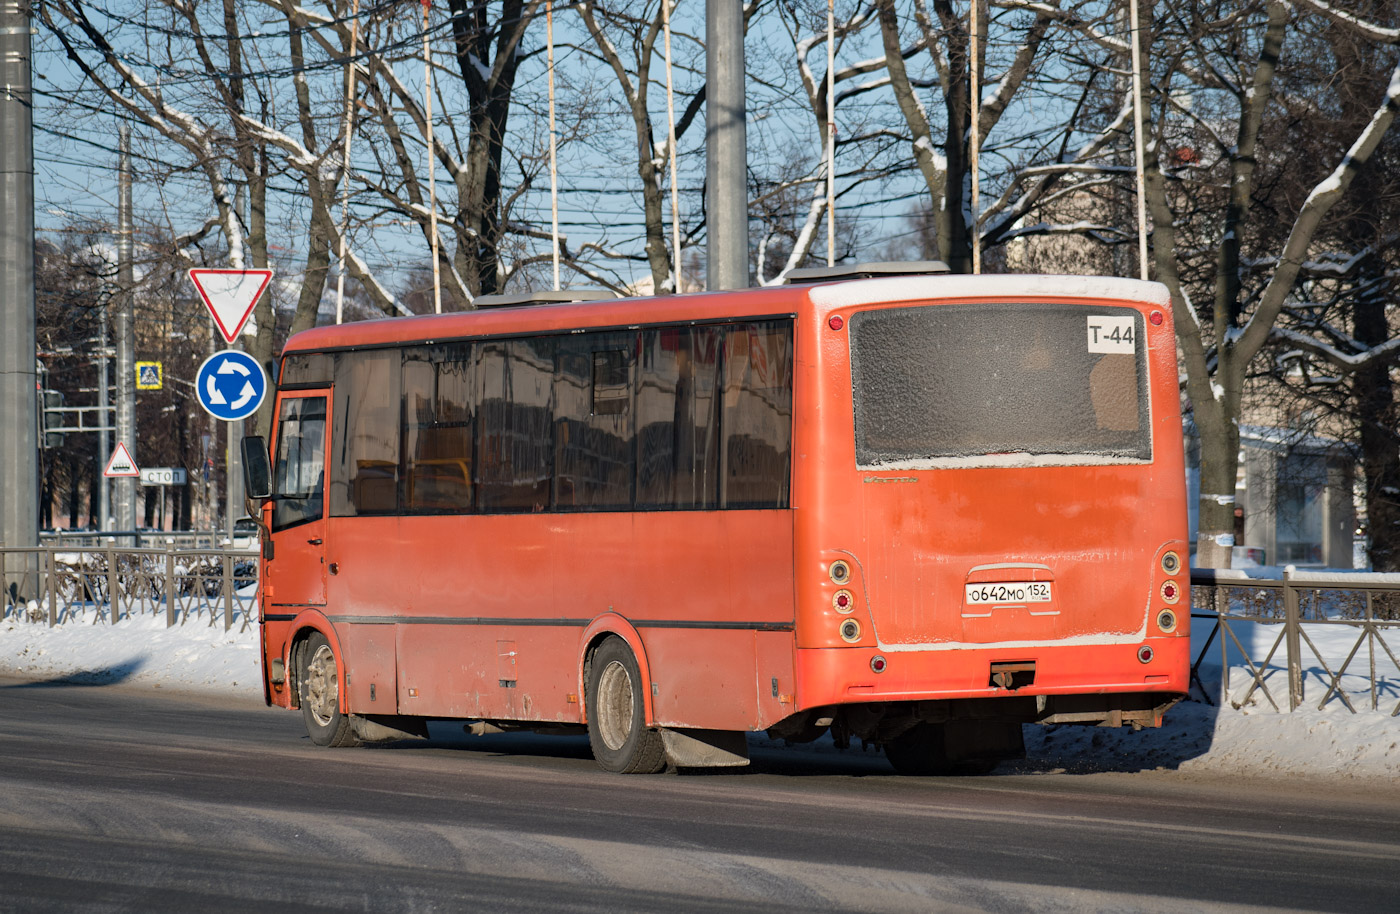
[594,446]
[438,424]
[365,456]
[513,470]
[300,471]
[678,418]
[757,420]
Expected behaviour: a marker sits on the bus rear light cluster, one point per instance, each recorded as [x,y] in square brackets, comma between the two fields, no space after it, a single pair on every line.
[1171,592]
[843,601]
[840,572]
[1145,654]
[1166,620]
[850,631]
[878,664]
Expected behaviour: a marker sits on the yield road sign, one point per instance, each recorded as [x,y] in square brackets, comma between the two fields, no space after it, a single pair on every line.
[231,385]
[230,296]
[120,463]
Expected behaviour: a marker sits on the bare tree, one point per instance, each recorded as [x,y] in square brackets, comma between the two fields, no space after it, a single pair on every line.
[639,31]
[1232,272]
[1052,122]
[1337,340]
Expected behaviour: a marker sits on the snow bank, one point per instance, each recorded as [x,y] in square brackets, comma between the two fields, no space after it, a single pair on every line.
[193,656]
[1253,739]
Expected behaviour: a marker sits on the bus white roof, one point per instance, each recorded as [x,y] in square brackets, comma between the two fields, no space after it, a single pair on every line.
[1009,286]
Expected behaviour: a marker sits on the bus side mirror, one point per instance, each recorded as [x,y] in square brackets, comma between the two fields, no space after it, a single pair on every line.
[257,473]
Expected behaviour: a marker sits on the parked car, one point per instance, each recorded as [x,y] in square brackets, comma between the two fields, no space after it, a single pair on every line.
[245,533]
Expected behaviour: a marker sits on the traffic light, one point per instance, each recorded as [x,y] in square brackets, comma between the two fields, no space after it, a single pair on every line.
[51,417]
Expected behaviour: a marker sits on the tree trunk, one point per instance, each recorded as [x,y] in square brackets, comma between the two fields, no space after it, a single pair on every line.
[488,103]
[948,212]
[1379,420]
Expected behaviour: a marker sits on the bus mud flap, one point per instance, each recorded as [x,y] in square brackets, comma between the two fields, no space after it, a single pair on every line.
[705,748]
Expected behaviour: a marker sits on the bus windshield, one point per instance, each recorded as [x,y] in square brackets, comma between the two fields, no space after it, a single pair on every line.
[1003,383]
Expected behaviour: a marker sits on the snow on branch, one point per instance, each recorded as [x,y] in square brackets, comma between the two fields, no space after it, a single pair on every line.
[1347,361]
[1350,20]
[1323,196]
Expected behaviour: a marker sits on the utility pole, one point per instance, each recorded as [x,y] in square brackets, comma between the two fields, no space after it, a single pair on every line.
[104,422]
[726,148]
[123,321]
[19,419]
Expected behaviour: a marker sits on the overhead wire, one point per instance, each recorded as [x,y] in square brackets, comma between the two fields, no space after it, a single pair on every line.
[181,171]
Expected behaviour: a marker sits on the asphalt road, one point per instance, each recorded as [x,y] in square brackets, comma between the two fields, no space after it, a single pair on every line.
[133,799]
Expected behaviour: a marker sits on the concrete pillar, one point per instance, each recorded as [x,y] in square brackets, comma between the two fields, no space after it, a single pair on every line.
[726,148]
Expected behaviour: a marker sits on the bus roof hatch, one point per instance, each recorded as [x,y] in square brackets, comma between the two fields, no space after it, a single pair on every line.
[864,271]
[547,297]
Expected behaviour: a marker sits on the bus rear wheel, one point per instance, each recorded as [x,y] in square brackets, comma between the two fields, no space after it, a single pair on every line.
[922,750]
[617,729]
[319,688]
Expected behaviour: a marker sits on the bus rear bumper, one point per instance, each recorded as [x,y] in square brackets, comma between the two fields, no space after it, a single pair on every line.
[1103,684]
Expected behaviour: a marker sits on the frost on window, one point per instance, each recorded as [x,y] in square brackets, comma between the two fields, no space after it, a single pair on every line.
[989,383]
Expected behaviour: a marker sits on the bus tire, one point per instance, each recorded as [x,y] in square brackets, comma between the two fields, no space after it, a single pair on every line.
[318,685]
[617,730]
[921,751]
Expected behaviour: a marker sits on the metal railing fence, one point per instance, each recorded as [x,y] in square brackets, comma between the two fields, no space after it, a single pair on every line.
[62,584]
[1303,601]
[58,584]
[179,540]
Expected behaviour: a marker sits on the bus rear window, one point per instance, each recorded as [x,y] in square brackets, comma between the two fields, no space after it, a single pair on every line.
[999,384]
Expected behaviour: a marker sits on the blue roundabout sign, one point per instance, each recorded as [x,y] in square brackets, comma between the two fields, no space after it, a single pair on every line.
[231,385]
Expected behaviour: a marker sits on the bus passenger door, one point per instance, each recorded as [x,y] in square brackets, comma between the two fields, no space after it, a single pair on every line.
[296,571]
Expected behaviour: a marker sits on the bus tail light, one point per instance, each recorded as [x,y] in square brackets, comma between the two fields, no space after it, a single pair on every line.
[1171,562]
[1171,592]
[878,663]
[1166,620]
[840,572]
[1145,654]
[843,602]
[850,631]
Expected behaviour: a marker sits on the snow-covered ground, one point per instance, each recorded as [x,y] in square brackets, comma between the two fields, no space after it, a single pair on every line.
[1254,739]
[139,649]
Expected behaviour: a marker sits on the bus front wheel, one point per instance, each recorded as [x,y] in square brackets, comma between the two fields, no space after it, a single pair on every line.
[617,729]
[319,687]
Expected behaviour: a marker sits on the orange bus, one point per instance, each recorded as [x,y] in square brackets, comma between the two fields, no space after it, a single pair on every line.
[921,510]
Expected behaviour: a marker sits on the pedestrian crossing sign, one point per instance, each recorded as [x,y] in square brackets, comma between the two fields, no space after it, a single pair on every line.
[148,376]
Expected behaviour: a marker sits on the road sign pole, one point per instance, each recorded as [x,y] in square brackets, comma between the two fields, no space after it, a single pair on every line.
[124,325]
[235,476]
[104,420]
[235,473]
[230,384]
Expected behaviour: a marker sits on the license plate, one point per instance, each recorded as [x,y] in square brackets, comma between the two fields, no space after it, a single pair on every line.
[1008,592]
